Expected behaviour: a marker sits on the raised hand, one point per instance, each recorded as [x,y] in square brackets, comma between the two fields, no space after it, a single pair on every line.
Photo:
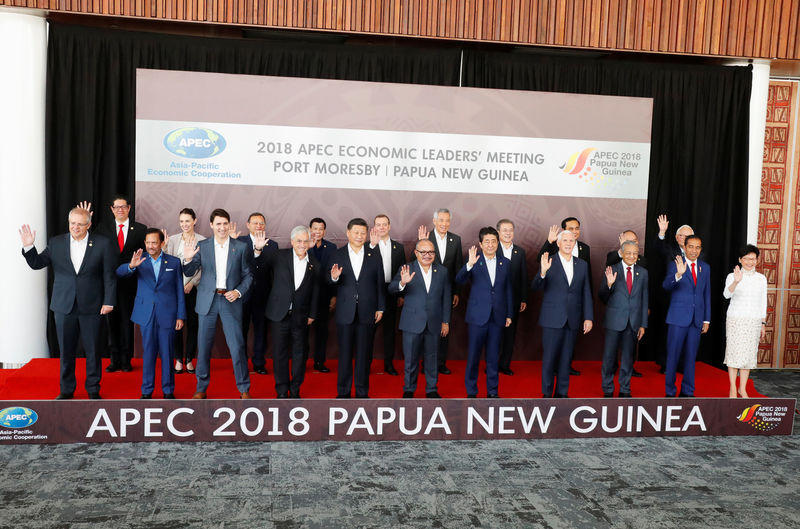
[552,235]
[473,256]
[621,239]
[611,276]
[87,206]
[27,235]
[545,264]
[260,240]
[136,259]
[166,238]
[373,237]
[234,233]
[405,277]
[189,249]
[737,274]
[422,232]
[663,224]
[336,271]
[680,265]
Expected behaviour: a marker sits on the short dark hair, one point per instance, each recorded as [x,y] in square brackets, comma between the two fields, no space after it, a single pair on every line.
[358,221]
[568,219]
[187,211]
[256,214]
[690,237]
[504,221]
[219,212]
[488,230]
[383,216]
[120,196]
[155,230]
[318,219]
[748,248]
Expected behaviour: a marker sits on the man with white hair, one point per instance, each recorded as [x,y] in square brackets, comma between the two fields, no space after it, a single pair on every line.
[670,250]
[291,307]
[566,310]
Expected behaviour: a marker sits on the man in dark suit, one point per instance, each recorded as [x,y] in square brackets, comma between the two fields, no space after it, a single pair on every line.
[615,256]
[159,309]
[580,250]
[226,278]
[425,318]
[322,250]
[519,290]
[670,250]
[254,303]
[688,280]
[449,254]
[566,309]
[625,291]
[291,308]
[393,255]
[84,289]
[489,309]
[129,237]
[357,274]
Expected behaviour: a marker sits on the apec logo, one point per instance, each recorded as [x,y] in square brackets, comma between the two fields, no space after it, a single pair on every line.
[195,142]
[18,417]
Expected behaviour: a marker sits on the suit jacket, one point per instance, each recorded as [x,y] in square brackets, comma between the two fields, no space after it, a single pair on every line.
[624,308]
[689,303]
[563,302]
[323,254]
[613,258]
[667,250]
[453,257]
[238,276]
[91,287]
[157,300]
[486,300]
[367,293]
[133,241]
[398,257]
[584,253]
[422,307]
[519,276]
[303,300]
[262,273]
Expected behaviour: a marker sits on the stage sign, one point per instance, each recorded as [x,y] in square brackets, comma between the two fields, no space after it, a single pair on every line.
[84,421]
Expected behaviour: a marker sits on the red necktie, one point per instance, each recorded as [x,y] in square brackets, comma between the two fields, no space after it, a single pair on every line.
[121,238]
[629,280]
[694,275]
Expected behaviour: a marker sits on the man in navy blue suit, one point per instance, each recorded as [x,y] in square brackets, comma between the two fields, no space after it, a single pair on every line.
[489,309]
[159,309]
[226,278]
[625,292]
[357,274]
[689,314]
[566,309]
[425,316]
[322,250]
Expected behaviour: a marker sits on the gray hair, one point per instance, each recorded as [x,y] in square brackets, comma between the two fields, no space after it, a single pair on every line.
[80,211]
[504,221]
[686,226]
[298,229]
[441,210]
[562,232]
[629,243]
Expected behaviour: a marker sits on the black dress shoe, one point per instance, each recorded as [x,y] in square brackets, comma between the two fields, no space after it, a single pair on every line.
[662,370]
[113,368]
[294,394]
[506,371]
[636,374]
[178,371]
[64,396]
[573,372]
[126,368]
[169,395]
[608,395]
[408,394]
[283,395]
[559,396]
[190,371]
[472,396]
[433,395]
[492,396]
[624,395]
[94,396]
[146,396]
[390,370]
[444,371]
[345,396]
[319,366]
[683,395]
[259,370]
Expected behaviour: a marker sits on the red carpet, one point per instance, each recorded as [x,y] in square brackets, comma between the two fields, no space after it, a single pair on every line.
[38,380]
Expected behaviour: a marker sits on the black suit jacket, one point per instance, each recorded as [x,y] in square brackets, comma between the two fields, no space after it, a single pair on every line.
[303,300]
[584,253]
[453,258]
[133,241]
[95,283]
[667,250]
[398,256]
[367,293]
[323,254]
[613,258]
[519,277]
[262,273]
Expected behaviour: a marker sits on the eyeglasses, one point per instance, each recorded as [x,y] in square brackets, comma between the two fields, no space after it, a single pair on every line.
[120,207]
[426,252]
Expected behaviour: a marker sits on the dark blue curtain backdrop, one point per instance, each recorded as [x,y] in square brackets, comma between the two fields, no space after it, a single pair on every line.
[698,172]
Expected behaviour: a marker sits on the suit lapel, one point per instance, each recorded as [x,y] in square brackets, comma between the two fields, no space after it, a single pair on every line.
[231,257]
[86,256]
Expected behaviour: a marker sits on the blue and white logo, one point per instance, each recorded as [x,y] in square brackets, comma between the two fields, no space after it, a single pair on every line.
[17,417]
[194,142]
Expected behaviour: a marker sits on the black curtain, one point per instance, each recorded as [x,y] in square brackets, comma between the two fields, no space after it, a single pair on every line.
[698,169]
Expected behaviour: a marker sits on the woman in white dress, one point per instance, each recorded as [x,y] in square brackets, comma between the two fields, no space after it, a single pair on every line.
[175,243]
[747,313]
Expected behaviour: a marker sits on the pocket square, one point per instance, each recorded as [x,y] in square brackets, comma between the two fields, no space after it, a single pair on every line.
[170,269]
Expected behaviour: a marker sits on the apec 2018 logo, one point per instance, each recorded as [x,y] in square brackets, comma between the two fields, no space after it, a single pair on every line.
[195,142]
[17,417]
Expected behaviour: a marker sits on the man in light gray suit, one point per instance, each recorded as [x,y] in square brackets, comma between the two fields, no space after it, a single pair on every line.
[220,294]
[625,293]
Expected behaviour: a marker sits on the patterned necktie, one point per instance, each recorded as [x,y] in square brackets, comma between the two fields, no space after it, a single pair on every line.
[629,280]
[694,275]
[121,238]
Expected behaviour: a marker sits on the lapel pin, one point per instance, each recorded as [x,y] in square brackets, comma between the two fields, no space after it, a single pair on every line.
[500,263]
[369,255]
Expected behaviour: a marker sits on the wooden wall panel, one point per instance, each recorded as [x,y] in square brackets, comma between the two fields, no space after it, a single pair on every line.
[737,28]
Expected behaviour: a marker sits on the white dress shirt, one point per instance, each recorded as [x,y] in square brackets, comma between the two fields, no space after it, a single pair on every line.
[569,269]
[575,250]
[749,300]
[491,267]
[221,262]
[441,243]
[507,251]
[356,260]
[77,251]
[300,266]
[385,247]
